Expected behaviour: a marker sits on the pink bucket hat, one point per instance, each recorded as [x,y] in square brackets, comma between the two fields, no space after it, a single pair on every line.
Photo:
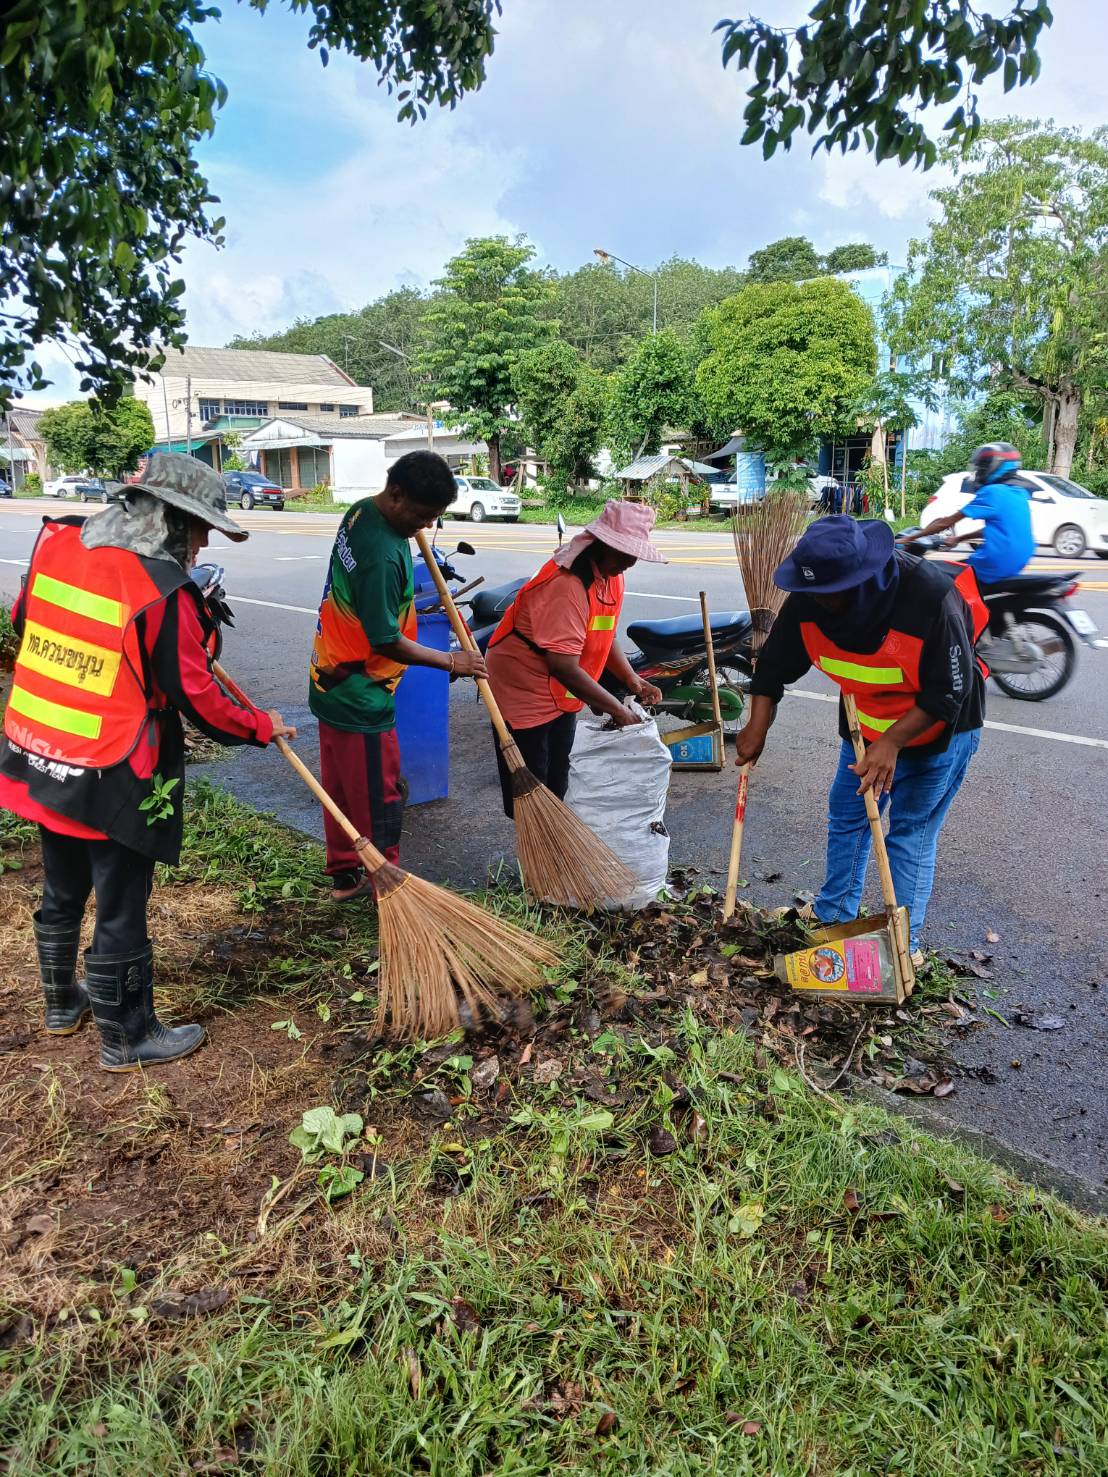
[622,526]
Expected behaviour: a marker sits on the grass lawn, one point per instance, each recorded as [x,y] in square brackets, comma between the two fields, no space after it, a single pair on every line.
[612,1235]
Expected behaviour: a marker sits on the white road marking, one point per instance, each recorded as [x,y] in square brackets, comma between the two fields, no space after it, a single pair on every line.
[23,562]
[272,605]
[685,599]
[294,558]
[1102,644]
[1046,733]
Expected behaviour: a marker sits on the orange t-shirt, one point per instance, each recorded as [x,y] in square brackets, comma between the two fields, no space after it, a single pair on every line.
[554,616]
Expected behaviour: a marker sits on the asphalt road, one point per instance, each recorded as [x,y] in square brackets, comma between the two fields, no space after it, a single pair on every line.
[1022,854]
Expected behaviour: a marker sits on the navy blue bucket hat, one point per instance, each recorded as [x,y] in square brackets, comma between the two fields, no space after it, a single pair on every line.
[834,554]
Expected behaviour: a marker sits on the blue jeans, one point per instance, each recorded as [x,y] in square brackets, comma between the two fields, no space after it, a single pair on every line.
[923,790]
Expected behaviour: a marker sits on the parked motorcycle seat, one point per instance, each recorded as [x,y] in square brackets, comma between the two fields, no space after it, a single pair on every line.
[488,605]
[687,631]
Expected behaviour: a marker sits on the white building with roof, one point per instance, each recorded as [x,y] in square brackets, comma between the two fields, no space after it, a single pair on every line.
[351,455]
[200,393]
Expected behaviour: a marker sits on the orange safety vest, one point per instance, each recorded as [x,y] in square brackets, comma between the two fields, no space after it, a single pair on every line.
[78,695]
[885,683]
[599,636]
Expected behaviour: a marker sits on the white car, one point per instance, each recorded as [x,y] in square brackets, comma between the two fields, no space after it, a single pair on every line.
[81,485]
[1064,516]
[479,498]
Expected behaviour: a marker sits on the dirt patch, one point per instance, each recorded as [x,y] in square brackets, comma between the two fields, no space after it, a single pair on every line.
[171,1175]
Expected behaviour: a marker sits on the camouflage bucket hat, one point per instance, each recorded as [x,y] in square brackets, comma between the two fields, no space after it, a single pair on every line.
[189,484]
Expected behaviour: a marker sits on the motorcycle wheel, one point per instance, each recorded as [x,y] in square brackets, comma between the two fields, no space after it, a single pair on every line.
[1056,670]
[731,675]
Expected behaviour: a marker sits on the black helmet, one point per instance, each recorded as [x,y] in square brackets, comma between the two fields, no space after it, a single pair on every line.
[992,462]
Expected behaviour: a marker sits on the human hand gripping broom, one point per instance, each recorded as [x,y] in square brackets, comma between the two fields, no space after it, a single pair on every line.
[434,945]
[562,859]
[764,536]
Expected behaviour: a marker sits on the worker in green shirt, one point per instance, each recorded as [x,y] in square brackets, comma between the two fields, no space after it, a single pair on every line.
[365,641]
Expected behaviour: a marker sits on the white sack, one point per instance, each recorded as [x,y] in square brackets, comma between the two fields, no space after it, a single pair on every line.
[618,785]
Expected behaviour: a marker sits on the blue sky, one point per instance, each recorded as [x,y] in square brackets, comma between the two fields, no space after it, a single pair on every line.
[601,124]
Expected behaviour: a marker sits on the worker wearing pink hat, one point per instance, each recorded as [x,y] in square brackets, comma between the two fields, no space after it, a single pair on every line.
[557,640]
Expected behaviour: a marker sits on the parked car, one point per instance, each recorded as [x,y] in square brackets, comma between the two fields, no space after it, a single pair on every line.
[726,495]
[479,498]
[1064,515]
[5,486]
[79,485]
[248,489]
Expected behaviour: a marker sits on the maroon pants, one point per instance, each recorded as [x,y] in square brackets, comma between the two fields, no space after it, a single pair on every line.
[361,773]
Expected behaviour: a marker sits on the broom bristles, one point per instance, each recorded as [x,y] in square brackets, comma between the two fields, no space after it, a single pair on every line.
[764,536]
[437,948]
[563,860]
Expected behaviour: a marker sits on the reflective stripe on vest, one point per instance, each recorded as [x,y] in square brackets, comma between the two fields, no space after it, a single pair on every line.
[884,682]
[78,694]
[860,671]
[600,633]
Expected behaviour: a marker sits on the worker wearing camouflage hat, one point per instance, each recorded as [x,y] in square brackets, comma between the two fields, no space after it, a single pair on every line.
[116,643]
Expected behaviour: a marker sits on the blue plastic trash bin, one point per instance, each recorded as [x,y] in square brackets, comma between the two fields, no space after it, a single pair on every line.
[423,719]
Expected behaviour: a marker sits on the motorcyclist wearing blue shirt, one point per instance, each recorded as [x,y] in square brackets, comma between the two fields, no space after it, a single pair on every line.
[1001,501]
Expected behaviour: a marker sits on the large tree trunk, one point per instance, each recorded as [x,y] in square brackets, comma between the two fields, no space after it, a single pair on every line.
[1067,411]
[494,458]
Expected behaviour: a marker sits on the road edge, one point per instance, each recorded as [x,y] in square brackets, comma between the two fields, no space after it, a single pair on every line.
[1039,1172]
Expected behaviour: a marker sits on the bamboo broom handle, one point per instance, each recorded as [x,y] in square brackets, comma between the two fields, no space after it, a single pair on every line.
[880,850]
[307,776]
[736,843]
[711,659]
[464,635]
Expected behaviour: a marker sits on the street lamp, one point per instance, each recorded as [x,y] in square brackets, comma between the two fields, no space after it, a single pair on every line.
[400,354]
[608,256]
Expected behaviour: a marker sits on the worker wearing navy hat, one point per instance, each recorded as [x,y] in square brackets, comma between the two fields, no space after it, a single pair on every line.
[898,633]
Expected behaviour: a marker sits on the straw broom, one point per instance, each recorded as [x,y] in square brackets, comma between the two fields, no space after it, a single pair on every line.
[434,945]
[767,533]
[563,860]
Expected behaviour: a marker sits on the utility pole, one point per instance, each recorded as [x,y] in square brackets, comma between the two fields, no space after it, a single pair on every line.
[11,449]
[428,405]
[188,413]
[165,402]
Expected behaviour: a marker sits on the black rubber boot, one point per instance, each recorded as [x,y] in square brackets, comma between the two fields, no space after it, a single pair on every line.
[67,1004]
[121,993]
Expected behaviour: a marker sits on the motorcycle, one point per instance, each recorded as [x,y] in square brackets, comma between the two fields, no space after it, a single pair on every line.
[208,578]
[671,653]
[1029,645]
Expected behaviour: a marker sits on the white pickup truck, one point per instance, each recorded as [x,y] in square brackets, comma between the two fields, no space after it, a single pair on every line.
[479,498]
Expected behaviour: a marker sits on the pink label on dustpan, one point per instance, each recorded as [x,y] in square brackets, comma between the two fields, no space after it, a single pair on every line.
[863,966]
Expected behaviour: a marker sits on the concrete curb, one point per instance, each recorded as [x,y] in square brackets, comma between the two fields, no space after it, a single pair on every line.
[1036,1171]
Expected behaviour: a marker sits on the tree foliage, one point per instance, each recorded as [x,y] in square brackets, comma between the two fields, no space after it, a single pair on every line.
[355,341]
[859,71]
[654,390]
[562,402]
[106,440]
[604,312]
[1011,280]
[854,256]
[102,103]
[788,260]
[786,362]
[794,259]
[491,308]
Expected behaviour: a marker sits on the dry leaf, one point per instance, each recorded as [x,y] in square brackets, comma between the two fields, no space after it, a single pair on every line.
[999,1214]
[525,1054]
[548,1070]
[699,979]
[39,1225]
[751,1428]
[943,1088]
[992,938]
[607,1423]
[415,1373]
[851,1201]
